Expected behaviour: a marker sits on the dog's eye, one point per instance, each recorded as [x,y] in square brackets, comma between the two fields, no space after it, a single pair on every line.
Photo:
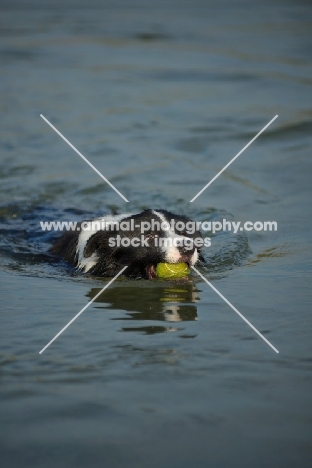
[151,235]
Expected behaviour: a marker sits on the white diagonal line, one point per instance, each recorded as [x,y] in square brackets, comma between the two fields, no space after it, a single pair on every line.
[235,310]
[84,308]
[232,160]
[84,158]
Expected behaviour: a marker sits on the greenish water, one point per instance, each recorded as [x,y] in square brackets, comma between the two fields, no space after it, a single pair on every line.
[159,98]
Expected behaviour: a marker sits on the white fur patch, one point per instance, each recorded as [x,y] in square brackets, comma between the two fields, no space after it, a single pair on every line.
[86,263]
[172,253]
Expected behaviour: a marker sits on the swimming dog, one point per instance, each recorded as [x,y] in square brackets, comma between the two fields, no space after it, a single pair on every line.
[101,247]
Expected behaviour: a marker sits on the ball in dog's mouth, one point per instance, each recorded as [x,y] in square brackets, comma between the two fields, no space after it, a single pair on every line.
[167,270]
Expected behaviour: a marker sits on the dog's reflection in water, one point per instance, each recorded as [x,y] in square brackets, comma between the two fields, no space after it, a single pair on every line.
[169,303]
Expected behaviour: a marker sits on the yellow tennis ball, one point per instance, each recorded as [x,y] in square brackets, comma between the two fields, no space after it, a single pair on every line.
[172,270]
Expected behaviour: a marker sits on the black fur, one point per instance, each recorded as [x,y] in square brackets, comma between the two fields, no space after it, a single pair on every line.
[141,260]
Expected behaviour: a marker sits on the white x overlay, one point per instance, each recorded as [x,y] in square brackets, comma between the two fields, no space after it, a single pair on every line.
[84,308]
[233,159]
[84,158]
[235,310]
[194,198]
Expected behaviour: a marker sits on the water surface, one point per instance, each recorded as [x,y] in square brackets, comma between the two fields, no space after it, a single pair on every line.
[159,98]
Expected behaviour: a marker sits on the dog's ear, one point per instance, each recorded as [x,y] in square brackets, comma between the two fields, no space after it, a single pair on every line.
[108,263]
[98,241]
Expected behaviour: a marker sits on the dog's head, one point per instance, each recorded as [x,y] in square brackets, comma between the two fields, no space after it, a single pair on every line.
[141,241]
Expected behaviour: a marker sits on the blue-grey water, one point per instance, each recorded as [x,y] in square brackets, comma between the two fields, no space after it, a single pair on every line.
[159,96]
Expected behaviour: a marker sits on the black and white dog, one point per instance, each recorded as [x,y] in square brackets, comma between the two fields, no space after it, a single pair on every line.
[103,246]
